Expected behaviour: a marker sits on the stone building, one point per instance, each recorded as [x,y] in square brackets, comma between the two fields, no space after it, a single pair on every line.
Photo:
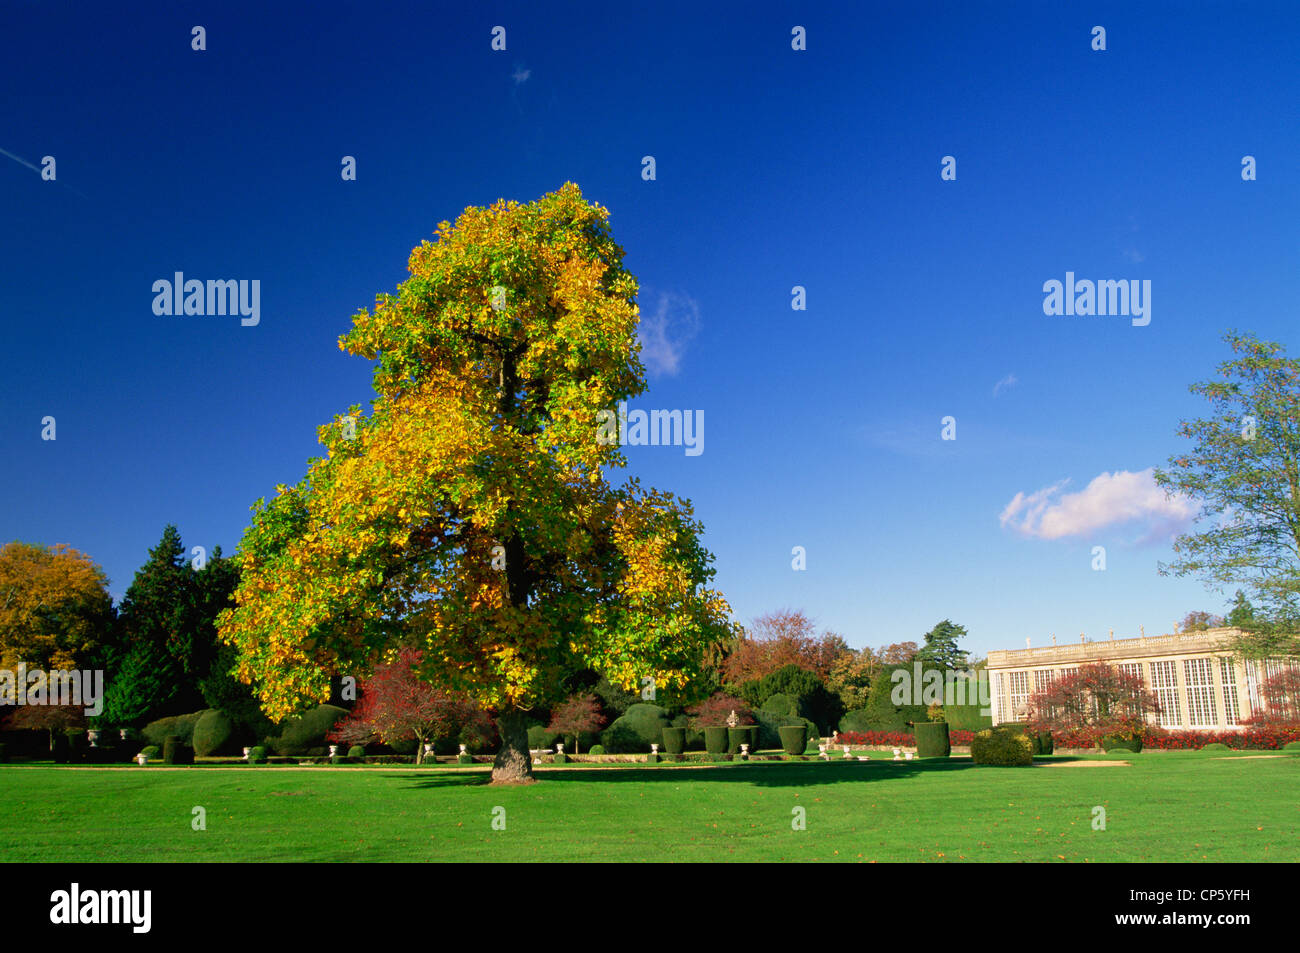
[1198,682]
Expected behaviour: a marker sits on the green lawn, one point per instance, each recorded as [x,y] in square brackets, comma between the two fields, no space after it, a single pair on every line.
[1166,806]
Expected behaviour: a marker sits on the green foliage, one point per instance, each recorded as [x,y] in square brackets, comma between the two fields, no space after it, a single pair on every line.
[356,752]
[794,739]
[151,751]
[967,717]
[1123,741]
[596,749]
[1002,747]
[1243,478]
[257,755]
[299,736]
[932,739]
[1220,746]
[1045,743]
[882,713]
[782,704]
[636,730]
[539,737]
[182,726]
[213,733]
[859,720]
[1291,746]
[807,694]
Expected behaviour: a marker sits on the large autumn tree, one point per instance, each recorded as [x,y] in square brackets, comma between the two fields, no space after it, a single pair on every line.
[469,513]
[1243,469]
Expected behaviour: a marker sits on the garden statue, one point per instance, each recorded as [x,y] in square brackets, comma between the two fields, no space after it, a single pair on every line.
[732,720]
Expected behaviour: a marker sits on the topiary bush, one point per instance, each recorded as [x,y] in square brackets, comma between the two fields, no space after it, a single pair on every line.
[1291,746]
[257,755]
[932,739]
[176,751]
[1216,746]
[301,735]
[1046,743]
[596,749]
[715,739]
[1001,747]
[737,737]
[674,740]
[151,752]
[636,730]
[179,726]
[213,733]
[356,752]
[1122,741]
[782,705]
[794,738]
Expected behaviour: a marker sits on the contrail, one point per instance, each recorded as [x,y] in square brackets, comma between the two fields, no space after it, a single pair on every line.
[37,170]
[20,161]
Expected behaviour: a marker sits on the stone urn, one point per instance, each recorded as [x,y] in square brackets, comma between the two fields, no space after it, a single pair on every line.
[93,737]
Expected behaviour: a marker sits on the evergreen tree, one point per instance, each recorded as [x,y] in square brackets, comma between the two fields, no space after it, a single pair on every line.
[941,646]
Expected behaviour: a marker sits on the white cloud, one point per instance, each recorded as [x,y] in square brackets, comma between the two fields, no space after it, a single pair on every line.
[1110,499]
[1009,381]
[665,333]
[520,75]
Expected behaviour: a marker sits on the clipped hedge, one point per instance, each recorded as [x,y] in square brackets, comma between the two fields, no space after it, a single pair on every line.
[357,752]
[176,751]
[674,740]
[932,739]
[1001,747]
[178,726]
[641,726]
[1216,746]
[782,705]
[213,733]
[257,755]
[1123,741]
[794,738]
[596,749]
[301,735]
[715,739]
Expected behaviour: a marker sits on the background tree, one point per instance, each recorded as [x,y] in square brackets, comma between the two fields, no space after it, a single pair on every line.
[469,513]
[941,646]
[1244,473]
[395,705]
[55,610]
[49,718]
[898,653]
[851,677]
[576,715]
[1198,621]
[777,639]
[1095,695]
[1281,692]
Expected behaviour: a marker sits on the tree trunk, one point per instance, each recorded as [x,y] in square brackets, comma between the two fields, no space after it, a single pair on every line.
[513,764]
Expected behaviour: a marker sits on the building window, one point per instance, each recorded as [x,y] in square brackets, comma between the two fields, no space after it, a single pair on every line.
[1231,708]
[1132,668]
[1199,673]
[1019,693]
[1042,679]
[1164,678]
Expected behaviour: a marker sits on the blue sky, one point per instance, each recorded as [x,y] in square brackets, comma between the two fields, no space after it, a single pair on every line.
[775,168]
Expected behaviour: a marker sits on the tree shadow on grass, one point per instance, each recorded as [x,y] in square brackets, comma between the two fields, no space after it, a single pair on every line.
[761,774]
